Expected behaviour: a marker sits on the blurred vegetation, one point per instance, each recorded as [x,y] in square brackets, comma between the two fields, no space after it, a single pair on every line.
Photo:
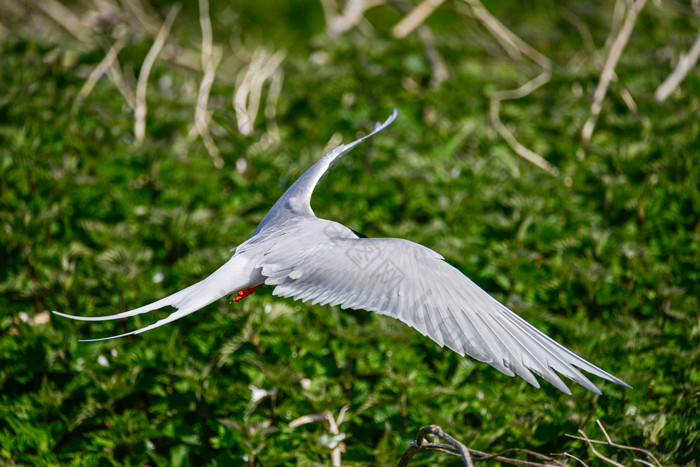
[604,257]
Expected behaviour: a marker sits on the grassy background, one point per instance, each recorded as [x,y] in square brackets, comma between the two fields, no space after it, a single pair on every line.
[603,258]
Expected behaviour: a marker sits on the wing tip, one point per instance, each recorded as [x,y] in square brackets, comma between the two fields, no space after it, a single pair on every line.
[73,317]
[379,126]
[599,372]
[619,381]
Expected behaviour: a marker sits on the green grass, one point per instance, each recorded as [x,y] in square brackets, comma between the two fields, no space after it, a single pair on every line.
[603,258]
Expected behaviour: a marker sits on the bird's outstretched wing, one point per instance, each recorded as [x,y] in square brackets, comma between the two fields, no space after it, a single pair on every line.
[410,282]
[296,201]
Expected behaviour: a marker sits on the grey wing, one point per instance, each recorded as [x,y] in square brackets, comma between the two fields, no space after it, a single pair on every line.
[296,200]
[414,284]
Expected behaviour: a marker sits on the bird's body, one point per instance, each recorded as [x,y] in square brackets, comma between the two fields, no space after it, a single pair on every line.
[308,258]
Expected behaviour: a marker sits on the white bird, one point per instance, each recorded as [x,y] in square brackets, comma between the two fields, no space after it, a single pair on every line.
[308,258]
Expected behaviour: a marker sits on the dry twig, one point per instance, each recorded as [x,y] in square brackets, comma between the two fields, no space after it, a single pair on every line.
[609,442]
[589,47]
[105,64]
[422,443]
[142,16]
[618,45]
[512,44]
[352,15]
[117,76]
[250,81]
[211,57]
[333,424]
[142,83]
[415,18]
[685,63]
[522,91]
[457,449]
[468,455]
[518,49]
[273,95]
[66,18]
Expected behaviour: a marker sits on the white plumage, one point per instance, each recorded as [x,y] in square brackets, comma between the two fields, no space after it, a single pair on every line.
[312,259]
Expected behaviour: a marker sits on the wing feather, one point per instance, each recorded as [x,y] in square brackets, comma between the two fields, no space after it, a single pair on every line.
[412,283]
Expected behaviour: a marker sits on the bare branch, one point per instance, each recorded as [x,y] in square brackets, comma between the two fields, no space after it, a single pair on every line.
[549,461]
[211,57]
[66,18]
[618,45]
[333,424]
[589,47]
[518,49]
[420,442]
[457,449]
[250,81]
[142,84]
[643,462]
[506,134]
[304,419]
[273,95]
[145,18]
[117,76]
[352,15]
[610,443]
[595,451]
[415,18]
[584,32]
[685,63]
[512,44]
[105,64]
[566,454]
[439,71]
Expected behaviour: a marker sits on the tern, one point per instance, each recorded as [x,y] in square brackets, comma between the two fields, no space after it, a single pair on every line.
[307,258]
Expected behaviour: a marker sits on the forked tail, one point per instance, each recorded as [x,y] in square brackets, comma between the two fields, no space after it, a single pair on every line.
[237,274]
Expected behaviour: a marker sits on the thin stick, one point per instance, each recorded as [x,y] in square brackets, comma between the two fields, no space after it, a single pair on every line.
[246,98]
[506,134]
[330,11]
[437,64]
[584,32]
[643,462]
[66,18]
[142,83]
[333,424]
[273,94]
[202,117]
[420,442]
[415,18]
[117,76]
[617,17]
[610,443]
[105,64]
[146,19]
[425,34]
[511,43]
[516,48]
[618,45]
[575,458]
[211,57]
[595,451]
[588,45]
[499,456]
[684,65]
[352,15]
[482,456]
